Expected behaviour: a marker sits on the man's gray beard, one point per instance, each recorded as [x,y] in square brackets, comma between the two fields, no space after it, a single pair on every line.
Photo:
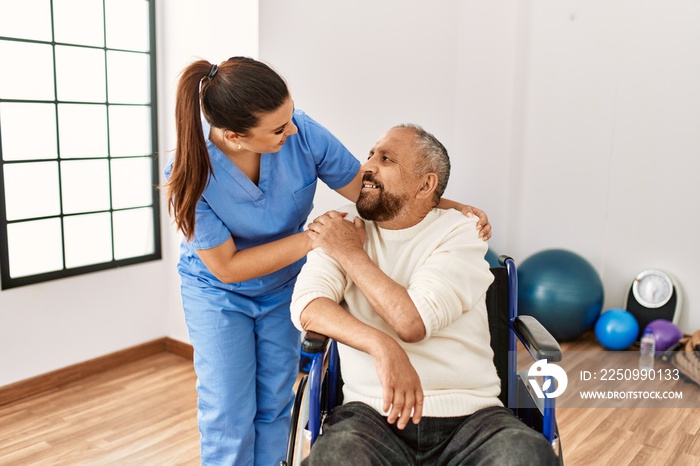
[383,208]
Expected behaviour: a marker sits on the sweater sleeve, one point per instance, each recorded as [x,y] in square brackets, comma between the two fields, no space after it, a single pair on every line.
[453,279]
[321,277]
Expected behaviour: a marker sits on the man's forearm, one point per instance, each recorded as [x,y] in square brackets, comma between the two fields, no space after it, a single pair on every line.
[325,316]
[389,299]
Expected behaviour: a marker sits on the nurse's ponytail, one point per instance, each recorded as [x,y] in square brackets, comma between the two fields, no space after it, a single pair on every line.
[232,96]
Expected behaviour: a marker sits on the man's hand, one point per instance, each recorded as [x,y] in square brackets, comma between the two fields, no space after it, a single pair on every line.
[336,236]
[402,392]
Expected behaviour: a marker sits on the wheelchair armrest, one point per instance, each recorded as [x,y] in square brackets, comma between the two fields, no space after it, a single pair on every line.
[537,340]
[314,342]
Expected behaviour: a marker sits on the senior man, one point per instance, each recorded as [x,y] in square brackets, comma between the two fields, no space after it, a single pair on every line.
[403,293]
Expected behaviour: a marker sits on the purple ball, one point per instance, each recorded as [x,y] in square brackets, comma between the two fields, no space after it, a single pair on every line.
[666,333]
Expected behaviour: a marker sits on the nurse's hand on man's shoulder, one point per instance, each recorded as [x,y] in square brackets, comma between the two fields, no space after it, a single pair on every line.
[483,224]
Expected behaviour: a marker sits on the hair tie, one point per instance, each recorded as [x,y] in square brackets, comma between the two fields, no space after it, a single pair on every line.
[212,72]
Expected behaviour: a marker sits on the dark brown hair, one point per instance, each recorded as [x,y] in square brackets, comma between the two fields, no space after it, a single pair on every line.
[233,96]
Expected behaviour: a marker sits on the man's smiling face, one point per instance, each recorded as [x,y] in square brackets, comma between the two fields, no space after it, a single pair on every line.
[389,178]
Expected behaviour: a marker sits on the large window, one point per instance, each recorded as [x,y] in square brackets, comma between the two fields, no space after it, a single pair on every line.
[78,130]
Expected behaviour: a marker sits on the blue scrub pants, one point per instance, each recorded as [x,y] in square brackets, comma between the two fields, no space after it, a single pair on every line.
[246,356]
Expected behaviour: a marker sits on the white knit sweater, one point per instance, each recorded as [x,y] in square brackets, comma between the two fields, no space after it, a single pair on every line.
[440,261]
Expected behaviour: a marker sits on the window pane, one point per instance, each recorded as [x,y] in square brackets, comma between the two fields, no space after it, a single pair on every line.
[128,25]
[80,74]
[31,190]
[78,22]
[20,124]
[85,186]
[88,239]
[133,233]
[35,247]
[129,77]
[32,76]
[132,184]
[130,130]
[26,19]
[82,130]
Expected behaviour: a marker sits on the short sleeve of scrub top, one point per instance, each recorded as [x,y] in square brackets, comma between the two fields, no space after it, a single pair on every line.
[277,207]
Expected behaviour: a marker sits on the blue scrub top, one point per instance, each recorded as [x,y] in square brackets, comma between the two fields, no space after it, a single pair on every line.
[232,205]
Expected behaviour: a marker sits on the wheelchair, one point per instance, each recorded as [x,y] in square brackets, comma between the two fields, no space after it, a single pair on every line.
[320,390]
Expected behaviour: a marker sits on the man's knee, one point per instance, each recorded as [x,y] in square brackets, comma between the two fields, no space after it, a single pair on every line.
[533,444]
[521,445]
[355,434]
[335,447]
[496,436]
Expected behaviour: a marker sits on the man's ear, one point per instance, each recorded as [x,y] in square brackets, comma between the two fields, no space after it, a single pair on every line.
[428,184]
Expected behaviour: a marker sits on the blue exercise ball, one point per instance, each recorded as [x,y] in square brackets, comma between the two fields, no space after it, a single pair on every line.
[562,290]
[616,329]
[492,258]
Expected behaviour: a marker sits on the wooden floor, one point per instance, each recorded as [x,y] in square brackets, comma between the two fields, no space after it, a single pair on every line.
[144,414]
[629,436]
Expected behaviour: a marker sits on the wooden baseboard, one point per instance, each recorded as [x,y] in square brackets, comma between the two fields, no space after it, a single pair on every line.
[44,382]
[180,348]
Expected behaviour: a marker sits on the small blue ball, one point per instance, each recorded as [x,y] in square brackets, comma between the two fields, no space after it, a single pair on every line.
[616,329]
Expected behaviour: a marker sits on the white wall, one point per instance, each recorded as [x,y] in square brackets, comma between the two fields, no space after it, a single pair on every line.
[572,123]
[52,325]
[49,326]
[609,157]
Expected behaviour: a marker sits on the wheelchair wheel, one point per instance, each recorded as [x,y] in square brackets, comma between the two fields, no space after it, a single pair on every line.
[299,442]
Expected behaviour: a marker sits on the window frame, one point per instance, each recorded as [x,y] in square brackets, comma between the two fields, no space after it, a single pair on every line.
[6,280]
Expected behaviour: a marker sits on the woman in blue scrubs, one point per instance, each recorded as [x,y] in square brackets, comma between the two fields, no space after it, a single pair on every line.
[240,189]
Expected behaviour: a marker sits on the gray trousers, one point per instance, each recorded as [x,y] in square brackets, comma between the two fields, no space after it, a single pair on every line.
[357,435]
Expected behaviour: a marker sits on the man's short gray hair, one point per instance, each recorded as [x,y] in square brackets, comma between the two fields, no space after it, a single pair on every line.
[434,157]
